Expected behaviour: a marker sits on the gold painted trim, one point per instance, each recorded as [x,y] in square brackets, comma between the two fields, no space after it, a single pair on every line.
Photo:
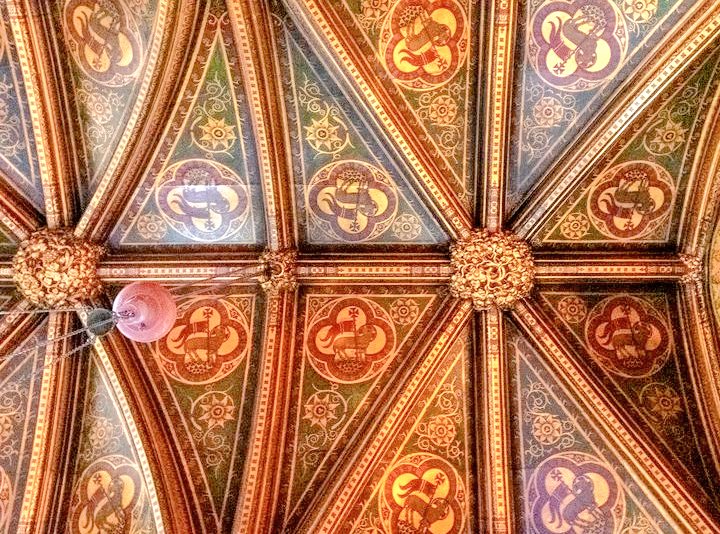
[310,269]
[561,267]
[677,505]
[15,326]
[6,272]
[695,233]
[257,506]
[496,415]
[53,162]
[50,382]
[703,360]
[550,268]
[562,181]
[17,213]
[498,101]
[255,42]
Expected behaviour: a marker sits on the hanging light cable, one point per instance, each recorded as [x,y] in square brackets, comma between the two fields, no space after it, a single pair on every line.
[143,311]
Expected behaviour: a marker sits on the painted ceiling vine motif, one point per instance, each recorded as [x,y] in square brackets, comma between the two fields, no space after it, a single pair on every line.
[347,190]
[351,345]
[109,45]
[343,146]
[714,267]
[425,479]
[630,340]
[430,50]
[18,157]
[639,188]
[19,404]
[571,478]
[572,54]
[109,486]
[203,186]
[207,365]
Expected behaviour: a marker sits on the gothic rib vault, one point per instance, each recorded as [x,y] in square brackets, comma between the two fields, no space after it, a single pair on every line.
[393,369]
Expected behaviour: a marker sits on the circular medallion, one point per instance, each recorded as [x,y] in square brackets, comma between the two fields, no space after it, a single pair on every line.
[575,493]
[202,200]
[209,340]
[107,497]
[577,44]
[104,40]
[627,336]
[423,42]
[352,200]
[423,493]
[350,340]
[631,199]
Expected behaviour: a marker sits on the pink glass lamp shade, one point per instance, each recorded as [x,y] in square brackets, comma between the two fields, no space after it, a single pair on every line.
[146,311]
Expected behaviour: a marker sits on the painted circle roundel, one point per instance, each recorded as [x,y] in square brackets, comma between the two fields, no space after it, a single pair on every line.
[577,44]
[573,493]
[424,42]
[108,496]
[209,340]
[352,200]
[104,40]
[627,336]
[350,340]
[631,199]
[202,200]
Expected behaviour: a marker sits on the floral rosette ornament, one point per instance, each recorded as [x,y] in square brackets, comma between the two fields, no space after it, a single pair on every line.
[55,269]
[491,269]
[281,268]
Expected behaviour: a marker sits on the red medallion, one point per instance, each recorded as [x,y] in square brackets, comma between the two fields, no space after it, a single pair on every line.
[425,42]
[631,199]
[627,337]
[425,495]
[208,341]
[350,340]
[107,495]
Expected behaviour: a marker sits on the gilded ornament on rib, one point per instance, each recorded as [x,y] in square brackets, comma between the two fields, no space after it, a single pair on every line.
[491,269]
[281,270]
[694,269]
[55,269]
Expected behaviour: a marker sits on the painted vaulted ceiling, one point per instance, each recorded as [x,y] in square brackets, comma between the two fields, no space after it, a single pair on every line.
[188,136]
